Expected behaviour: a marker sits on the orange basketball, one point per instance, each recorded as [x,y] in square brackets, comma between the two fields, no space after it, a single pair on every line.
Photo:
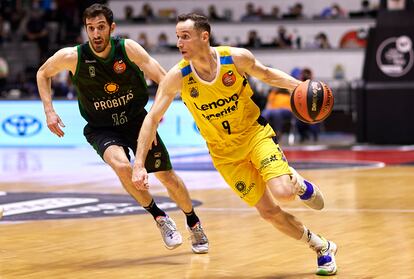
[312,101]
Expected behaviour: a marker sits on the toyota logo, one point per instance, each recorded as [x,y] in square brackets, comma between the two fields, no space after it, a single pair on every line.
[21,126]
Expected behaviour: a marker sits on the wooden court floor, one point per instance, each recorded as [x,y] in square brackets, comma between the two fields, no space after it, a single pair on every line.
[369,213]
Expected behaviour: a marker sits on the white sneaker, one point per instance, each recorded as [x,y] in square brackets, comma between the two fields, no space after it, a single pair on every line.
[171,237]
[311,194]
[326,259]
[199,241]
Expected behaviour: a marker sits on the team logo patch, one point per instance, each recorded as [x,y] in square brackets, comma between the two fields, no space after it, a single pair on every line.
[157,163]
[240,186]
[194,92]
[119,67]
[228,78]
[92,72]
[111,87]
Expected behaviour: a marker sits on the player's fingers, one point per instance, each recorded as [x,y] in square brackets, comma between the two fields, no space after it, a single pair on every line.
[61,122]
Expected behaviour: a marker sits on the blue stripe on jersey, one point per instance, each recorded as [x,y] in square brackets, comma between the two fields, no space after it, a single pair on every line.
[226,60]
[186,70]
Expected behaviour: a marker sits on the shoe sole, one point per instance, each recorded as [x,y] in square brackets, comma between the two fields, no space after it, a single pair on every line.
[195,251]
[323,272]
[172,247]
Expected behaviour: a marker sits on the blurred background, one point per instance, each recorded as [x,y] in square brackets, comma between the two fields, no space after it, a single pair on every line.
[361,49]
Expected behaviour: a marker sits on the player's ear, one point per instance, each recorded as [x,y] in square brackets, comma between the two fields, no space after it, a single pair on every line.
[113,25]
[205,36]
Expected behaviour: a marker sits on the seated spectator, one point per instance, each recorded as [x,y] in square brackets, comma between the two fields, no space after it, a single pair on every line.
[4,73]
[278,112]
[334,11]
[295,12]
[147,14]
[129,13]
[4,30]
[253,40]
[162,43]
[283,40]
[144,42]
[212,14]
[274,13]
[365,11]
[251,13]
[36,31]
[321,41]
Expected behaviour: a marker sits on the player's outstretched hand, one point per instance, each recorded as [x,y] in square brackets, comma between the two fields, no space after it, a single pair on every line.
[140,178]
[54,123]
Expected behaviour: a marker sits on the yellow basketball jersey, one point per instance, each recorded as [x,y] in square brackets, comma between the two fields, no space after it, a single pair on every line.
[223,109]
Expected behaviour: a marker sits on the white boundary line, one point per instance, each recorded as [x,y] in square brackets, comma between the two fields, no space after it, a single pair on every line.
[341,210]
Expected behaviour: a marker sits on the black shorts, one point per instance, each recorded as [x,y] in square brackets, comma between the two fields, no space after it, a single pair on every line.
[101,138]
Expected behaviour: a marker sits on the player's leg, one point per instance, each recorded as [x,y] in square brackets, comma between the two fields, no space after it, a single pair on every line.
[111,146]
[158,162]
[288,224]
[115,157]
[179,193]
[273,168]
[284,182]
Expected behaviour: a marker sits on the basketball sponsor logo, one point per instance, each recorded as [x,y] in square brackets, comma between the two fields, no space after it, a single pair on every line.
[191,81]
[218,103]
[21,125]
[395,56]
[267,161]
[240,186]
[243,189]
[111,87]
[43,206]
[119,67]
[228,78]
[316,87]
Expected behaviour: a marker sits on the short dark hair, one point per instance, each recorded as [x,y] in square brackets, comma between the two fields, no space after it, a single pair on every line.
[96,10]
[200,22]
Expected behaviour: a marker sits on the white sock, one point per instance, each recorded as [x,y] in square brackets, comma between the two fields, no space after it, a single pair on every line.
[301,187]
[314,241]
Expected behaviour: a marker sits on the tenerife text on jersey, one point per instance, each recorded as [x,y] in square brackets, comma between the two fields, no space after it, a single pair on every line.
[231,102]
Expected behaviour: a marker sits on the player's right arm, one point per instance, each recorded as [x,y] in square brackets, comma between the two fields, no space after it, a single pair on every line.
[166,92]
[63,59]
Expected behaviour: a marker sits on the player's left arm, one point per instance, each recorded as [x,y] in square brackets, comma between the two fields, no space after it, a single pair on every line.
[138,55]
[246,63]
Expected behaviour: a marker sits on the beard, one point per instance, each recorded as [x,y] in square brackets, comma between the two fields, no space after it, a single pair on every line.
[100,44]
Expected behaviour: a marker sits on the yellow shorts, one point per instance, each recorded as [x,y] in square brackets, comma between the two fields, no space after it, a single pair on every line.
[248,177]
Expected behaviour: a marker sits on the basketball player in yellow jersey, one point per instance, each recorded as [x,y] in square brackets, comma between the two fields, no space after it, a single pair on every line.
[213,85]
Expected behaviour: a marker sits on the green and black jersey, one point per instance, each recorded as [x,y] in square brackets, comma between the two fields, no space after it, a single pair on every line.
[111,92]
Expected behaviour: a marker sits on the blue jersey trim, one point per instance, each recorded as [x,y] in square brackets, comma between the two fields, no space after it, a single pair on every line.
[186,70]
[226,60]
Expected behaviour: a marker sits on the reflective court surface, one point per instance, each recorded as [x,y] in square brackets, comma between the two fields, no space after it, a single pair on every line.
[67,216]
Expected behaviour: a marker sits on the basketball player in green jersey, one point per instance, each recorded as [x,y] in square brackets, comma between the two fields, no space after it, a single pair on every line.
[108,75]
[213,85]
